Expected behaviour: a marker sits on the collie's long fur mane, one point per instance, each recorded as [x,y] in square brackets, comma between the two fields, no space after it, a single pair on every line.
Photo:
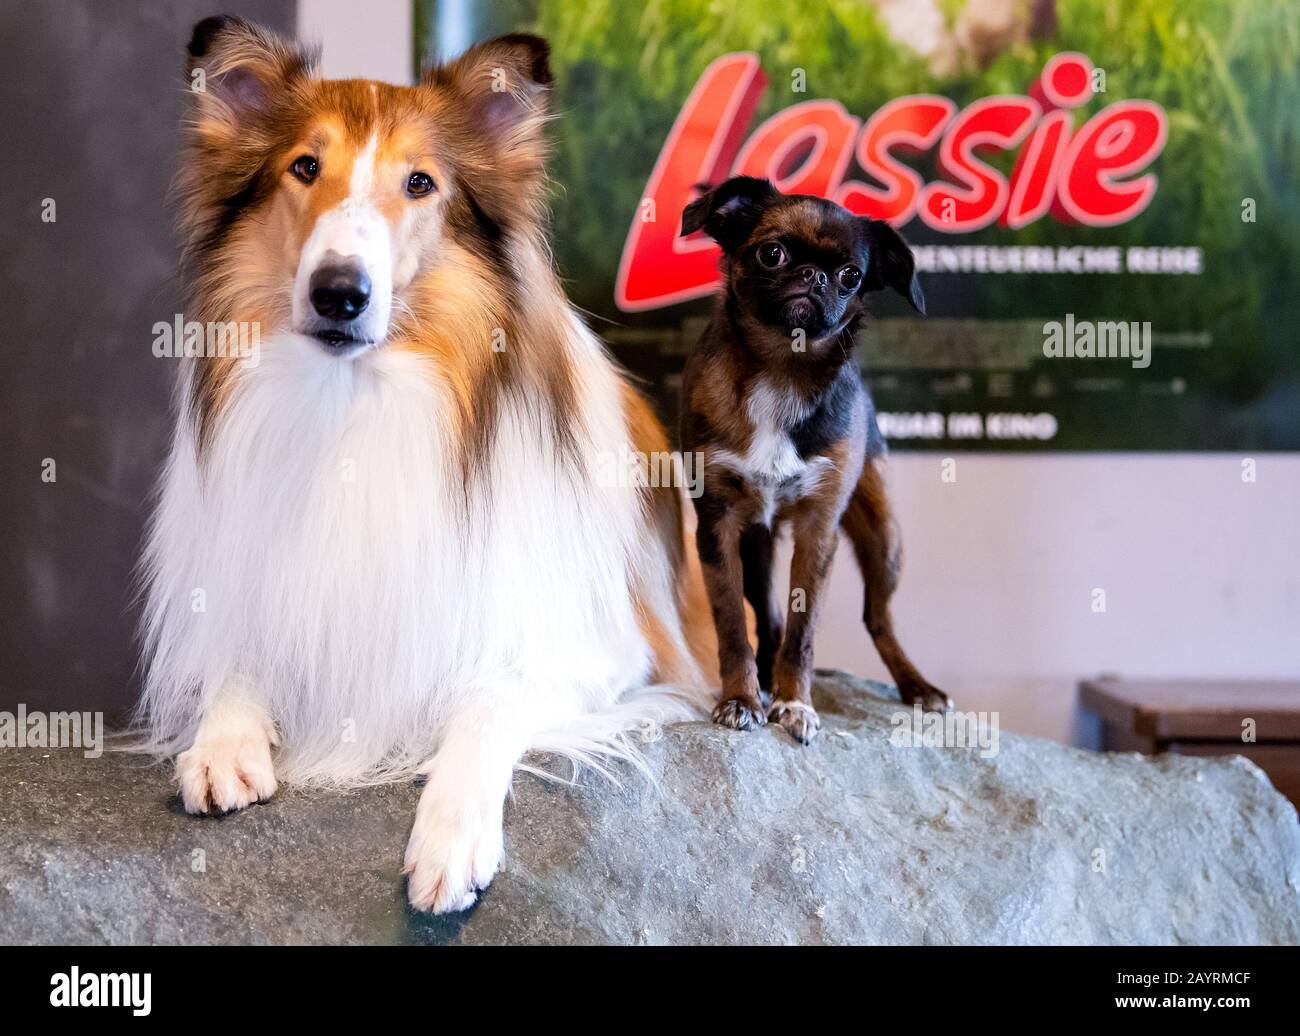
[366,547]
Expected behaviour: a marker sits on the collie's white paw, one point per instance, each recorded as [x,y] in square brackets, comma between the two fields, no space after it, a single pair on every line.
[454,850]
[229,765]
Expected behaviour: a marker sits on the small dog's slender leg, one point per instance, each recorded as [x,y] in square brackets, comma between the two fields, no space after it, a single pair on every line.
[457,840]
[717,538]
[814,550]
[870,529]
[756,544]
[229,765]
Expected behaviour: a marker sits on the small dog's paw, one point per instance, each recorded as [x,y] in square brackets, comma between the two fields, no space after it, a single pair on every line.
[798,720]
[739,714]
[931,699]
[451,856]
[226,773]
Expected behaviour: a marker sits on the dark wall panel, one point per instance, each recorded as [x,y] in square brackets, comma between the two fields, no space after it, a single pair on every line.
[93,93]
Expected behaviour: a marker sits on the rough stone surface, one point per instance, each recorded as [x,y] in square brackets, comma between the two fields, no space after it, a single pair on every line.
[747,838]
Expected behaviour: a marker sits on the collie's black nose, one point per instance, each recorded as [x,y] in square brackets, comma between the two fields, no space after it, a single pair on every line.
[340,291]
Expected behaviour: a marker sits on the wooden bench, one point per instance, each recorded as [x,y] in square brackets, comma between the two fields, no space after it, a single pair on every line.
[1257,719]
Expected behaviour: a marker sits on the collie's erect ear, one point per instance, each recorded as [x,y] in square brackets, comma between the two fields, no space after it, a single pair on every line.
[504,83]
[892,264]
[239,75]
[237,69]
[496,96]
[728,212]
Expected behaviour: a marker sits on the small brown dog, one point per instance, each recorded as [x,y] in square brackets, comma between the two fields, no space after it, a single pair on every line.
[773,401]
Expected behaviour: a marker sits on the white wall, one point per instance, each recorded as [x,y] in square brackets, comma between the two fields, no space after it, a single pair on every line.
[362,39]
[1201,572]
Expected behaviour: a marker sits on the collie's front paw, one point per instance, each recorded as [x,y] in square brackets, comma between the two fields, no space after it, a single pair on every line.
[225,775]
[452,853]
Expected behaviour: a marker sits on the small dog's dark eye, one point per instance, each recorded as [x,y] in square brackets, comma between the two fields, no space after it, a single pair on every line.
[771,255]
[305,168]
[850,278]
[419,184]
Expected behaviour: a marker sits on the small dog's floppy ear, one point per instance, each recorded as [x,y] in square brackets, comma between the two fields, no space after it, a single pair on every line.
[728,212]
[892,264]
[236,69]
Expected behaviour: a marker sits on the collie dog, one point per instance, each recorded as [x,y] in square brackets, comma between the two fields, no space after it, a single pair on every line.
[390,546]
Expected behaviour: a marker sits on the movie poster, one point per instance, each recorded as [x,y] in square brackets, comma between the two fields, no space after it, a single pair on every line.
[1103,197]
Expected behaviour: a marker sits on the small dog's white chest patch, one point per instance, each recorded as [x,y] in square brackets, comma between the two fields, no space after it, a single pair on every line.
[772,463]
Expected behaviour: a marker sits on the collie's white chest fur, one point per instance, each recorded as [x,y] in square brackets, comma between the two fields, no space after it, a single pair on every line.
[332,554]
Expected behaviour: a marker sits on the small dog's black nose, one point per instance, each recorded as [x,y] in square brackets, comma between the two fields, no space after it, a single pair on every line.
[813,276]
[340,291]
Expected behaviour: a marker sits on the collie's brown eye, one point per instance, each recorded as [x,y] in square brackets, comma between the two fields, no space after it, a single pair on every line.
[305,168]
[419,184]
[771,255]
[850,278]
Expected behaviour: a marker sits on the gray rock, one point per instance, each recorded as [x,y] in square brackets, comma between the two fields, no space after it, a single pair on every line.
[744,838]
